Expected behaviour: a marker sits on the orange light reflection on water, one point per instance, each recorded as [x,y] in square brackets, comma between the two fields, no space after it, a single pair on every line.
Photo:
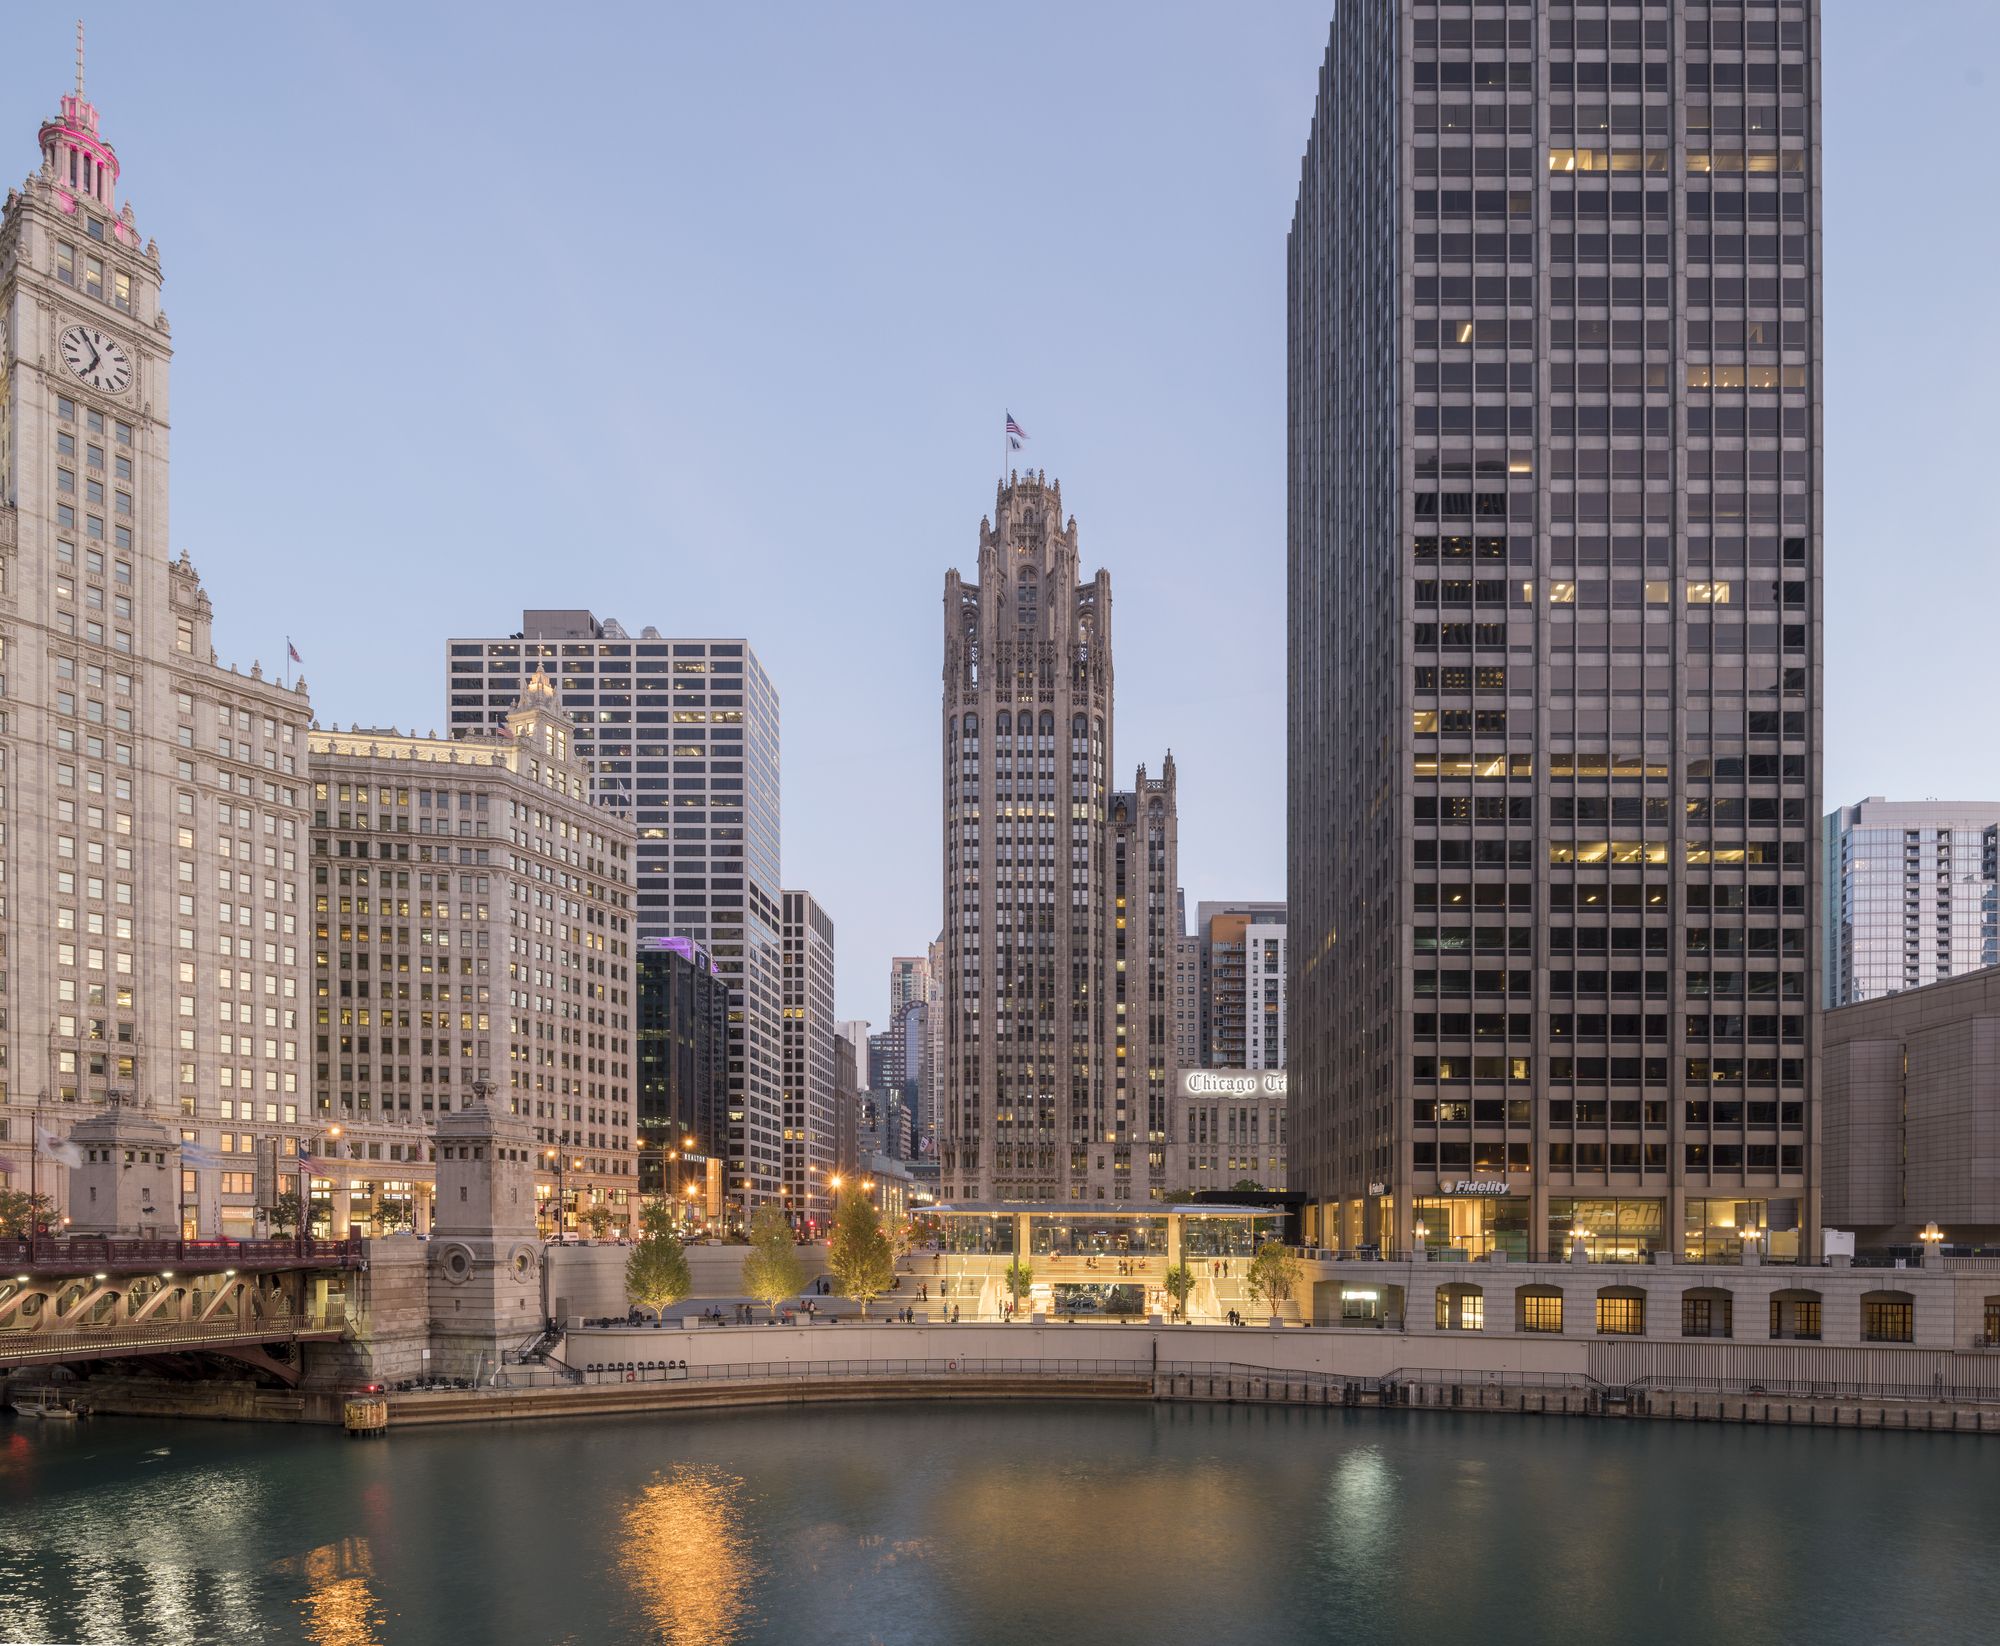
[686,1557]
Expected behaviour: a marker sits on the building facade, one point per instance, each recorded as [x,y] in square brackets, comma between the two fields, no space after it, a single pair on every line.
[1034,1102]
[684,736]
[152,802]
[682,1050]
[1913,1114]
[1912,895]
[1554,564]
[1142,943]
[1228,1130]
[1222,932]
[472,912]
[1264,964]
[811,1127]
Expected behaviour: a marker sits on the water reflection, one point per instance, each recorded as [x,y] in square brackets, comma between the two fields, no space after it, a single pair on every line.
[339,1606]
[686,1557]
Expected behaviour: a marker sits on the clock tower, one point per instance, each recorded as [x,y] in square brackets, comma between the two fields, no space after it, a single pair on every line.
[153,881]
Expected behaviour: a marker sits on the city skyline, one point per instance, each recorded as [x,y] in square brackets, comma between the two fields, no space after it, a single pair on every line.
[723,400]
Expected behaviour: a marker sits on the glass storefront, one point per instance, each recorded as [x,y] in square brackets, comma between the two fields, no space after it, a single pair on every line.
[1223,1236]
[1083,1235]
[1614,1231]
[1713,1230]
[1474,1226]
[976,1234]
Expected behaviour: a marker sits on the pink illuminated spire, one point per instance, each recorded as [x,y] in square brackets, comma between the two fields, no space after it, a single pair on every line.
[73,154]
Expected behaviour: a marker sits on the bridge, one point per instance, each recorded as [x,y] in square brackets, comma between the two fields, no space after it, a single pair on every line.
[171,1302]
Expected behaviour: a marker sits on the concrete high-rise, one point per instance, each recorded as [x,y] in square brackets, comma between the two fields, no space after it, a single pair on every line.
[153,804]
[1912,895]
[1036,1101]
[684,737]
[811,1127]
[1554,552]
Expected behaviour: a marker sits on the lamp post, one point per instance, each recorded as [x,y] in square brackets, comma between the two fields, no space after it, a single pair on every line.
[1933,1238]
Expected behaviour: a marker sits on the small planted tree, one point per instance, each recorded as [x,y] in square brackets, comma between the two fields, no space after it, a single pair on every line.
[1274,1275]
[1020,1276]
[20,1213]
[771,1268]
[598,1220]
[656,1274]
[1179,1282]
[861,1255]
[284,1213]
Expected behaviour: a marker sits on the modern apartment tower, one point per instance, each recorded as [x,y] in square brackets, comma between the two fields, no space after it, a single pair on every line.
[1912,895]
[1554,554]
[1036,1098]
[811,1127]
[152,802]
[1264,972]
[684,737]
[1222,931]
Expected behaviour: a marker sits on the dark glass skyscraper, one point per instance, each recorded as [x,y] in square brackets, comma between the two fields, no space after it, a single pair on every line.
[1555,650]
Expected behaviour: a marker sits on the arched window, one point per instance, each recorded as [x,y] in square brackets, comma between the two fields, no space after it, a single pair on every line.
[1707,1311]
[1538,1308]
[1888,1317]
[1621,1311]
[1795,1314]
[1461,1308]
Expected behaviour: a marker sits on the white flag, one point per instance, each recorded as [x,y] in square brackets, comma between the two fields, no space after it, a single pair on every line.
[58,1149]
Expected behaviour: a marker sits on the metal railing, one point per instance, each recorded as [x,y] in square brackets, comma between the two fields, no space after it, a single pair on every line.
[81,1254]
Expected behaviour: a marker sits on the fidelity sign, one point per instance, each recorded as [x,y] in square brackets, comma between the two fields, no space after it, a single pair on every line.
[1232,1083]
[1476,1186]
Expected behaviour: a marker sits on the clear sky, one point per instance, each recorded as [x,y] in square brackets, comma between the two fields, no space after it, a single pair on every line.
[707,317]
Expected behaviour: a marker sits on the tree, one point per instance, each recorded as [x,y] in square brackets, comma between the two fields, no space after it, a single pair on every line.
[21,1213]
[392,1215]
[284,1212]
[771,1268]
[1274,1274]
[1246,1185]
[1019,1277]
[656,1273]
[599,1220]
[1179,1282]
[860,1254]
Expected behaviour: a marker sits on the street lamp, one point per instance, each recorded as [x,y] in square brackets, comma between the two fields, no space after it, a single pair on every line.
[1932,1237]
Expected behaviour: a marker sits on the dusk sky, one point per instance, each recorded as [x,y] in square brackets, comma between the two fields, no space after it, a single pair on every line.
[707,318]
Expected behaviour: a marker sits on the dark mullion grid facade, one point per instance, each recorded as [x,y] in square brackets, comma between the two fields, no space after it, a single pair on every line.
[1554,560]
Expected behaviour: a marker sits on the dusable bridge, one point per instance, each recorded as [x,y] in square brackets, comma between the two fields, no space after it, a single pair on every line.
[65,1300]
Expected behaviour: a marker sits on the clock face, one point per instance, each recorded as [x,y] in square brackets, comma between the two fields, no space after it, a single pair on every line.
[97,359]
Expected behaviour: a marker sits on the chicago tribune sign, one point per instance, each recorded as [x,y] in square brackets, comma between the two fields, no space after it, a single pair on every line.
[1232,1083]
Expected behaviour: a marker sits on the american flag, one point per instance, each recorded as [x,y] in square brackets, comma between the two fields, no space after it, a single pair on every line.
[1015,433]
[293,650]
[312,1163]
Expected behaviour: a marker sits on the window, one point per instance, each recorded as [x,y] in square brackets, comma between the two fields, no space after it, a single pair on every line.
[121,290]
[1888,1320]
[1621,1316]
[66,266]
[184,635]
[1542,1312]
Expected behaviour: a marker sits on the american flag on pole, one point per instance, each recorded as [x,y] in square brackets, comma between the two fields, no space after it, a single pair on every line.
[292,650]
[314,1164]
[1015,433]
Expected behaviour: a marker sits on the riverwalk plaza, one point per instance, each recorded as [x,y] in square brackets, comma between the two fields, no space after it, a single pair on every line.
[1555,401]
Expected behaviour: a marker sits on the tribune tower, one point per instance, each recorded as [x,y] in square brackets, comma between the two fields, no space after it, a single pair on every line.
[1047,1084]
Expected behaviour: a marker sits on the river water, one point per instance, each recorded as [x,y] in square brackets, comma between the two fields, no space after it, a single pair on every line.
[1050,1525]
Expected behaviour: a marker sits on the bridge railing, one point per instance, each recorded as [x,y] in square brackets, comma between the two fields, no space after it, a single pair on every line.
[79,1254]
